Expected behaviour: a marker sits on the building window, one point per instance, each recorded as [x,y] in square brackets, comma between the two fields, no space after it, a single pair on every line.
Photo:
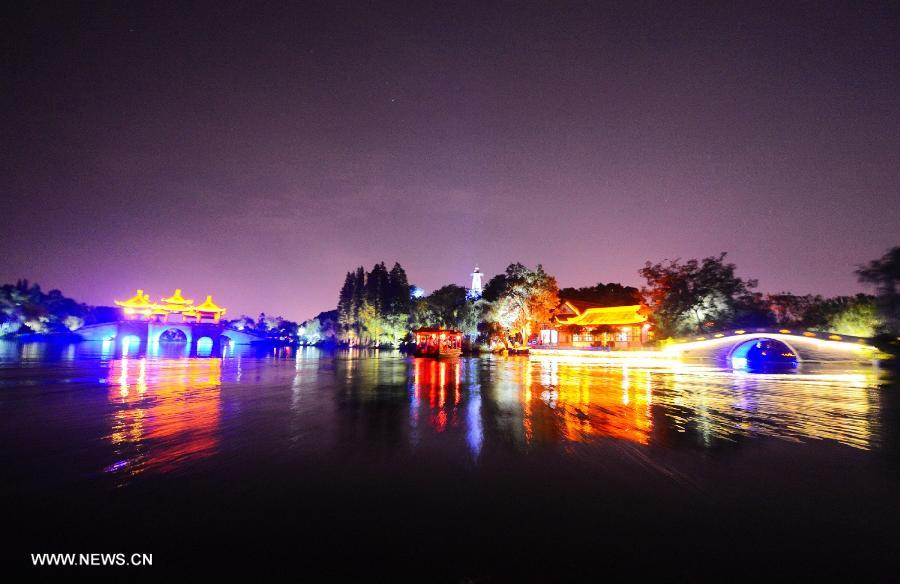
[624,334]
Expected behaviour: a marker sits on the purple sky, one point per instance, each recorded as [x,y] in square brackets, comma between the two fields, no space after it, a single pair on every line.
[258,154]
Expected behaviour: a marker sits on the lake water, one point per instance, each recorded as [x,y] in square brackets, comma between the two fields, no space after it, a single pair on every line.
[381,466]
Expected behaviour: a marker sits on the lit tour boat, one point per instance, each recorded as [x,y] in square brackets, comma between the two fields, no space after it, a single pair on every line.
[437,342]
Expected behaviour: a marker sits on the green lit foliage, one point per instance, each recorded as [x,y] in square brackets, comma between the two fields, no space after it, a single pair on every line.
[840,314]
[859,318]
[373,308]
[371,322]
[694,296]
[396,327]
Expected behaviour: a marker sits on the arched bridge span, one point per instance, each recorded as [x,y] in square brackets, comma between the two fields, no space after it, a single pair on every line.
[806,345]
[151,332]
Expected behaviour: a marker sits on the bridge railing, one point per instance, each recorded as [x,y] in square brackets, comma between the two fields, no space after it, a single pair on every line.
[822,336]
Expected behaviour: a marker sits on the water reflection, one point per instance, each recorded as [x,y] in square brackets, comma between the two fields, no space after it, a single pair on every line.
[166,412]
[605,402]
[15,352]
[329,443]
[594,400]
[436,390]
[548,400]
[826,405]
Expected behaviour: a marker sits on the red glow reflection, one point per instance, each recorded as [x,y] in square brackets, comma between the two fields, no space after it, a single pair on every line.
[432,379]
[166,412]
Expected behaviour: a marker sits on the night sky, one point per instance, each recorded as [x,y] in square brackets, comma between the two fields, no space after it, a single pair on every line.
[258,154]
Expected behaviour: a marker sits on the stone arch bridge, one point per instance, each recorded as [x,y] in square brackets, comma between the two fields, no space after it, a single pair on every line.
[149,333]
[808,346]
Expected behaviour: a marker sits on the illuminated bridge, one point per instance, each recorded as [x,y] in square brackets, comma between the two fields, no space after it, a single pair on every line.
[141,334]
[145,323]
[732,348]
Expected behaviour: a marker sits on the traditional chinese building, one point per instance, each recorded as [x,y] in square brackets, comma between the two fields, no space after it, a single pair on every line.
[582,324]
[175,308]
[175,305]
[138,307]
[208,309]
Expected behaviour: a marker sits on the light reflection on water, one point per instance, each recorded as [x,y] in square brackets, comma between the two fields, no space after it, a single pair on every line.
[618,402]
[164,413]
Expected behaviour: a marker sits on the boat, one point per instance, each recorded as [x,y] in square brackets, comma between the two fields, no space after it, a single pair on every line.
[437,342]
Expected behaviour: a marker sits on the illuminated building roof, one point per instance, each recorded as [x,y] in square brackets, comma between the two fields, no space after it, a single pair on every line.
[138,301]
[209,306]
[176,303]
[436,330]
[610,315]
[177,298]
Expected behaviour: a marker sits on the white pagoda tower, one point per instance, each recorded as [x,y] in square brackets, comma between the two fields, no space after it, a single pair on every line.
[476,287]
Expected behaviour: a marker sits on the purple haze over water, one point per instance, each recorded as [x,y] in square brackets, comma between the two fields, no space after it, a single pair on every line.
[260,154]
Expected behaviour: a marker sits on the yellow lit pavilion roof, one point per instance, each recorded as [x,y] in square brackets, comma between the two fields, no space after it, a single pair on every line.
[610,315]
[177,298]
[209,306]
[139,300]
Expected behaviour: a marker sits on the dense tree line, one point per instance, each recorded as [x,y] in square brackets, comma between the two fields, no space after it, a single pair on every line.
[273,328]
[701,296]
[696,295]
[322,330]
[377,308]
[519,301]
[26,309]
[684,298]
[884,275]
[512,305]
[374,307]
